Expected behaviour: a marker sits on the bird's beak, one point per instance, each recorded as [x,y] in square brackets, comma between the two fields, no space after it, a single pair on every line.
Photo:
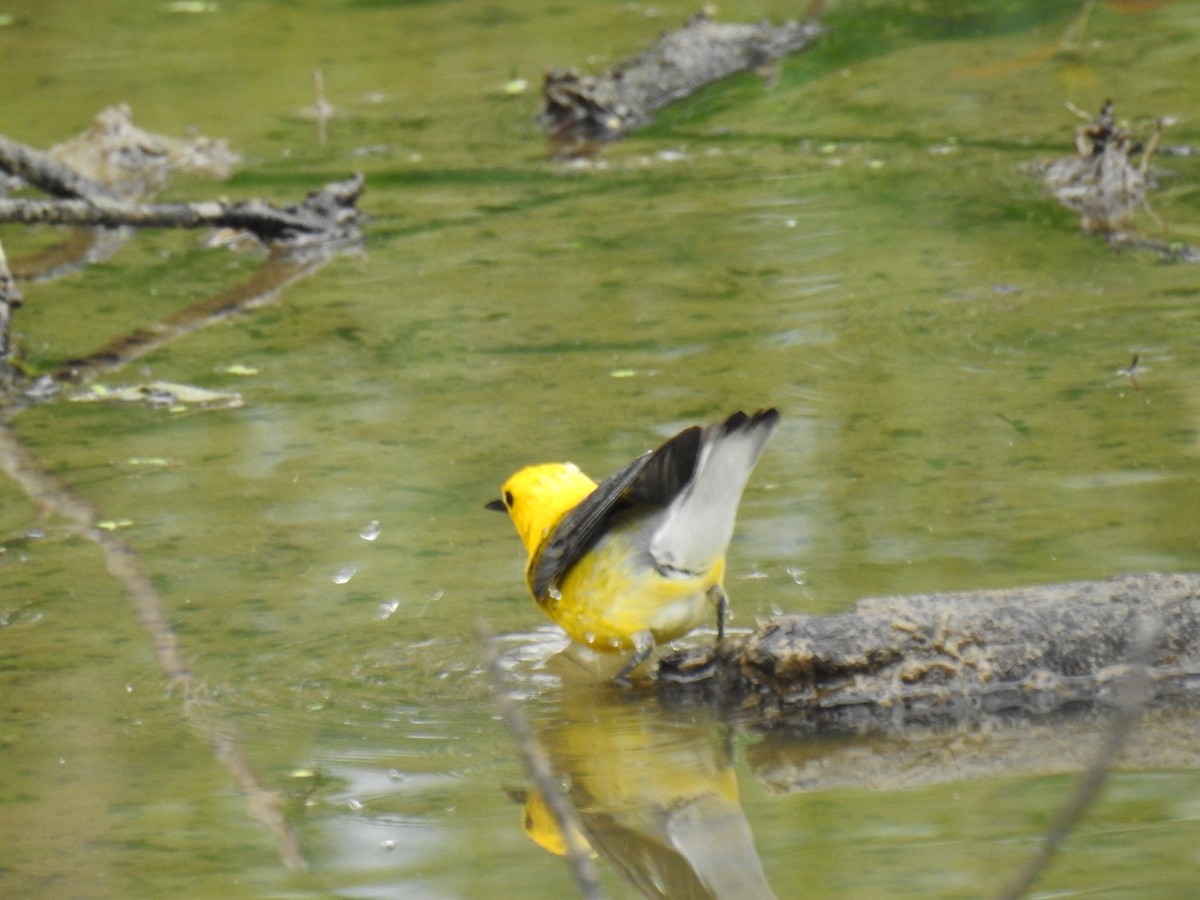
[496,506]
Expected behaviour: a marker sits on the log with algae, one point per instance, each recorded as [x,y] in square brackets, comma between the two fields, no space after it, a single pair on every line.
[582,112]
[933,658]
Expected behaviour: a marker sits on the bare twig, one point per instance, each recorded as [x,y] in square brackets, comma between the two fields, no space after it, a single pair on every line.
[326,213]
[540,769]
[1132,693]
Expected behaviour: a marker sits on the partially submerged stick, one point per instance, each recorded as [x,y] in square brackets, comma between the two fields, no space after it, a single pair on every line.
[326,214]
[101,178]
[581,110]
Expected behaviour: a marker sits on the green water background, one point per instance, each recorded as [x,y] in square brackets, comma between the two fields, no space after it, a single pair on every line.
[851,240]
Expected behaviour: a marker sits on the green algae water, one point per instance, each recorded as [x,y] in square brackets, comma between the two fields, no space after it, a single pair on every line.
[851,239]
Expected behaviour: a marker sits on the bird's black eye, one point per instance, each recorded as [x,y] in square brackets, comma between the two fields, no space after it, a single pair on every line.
[508,499]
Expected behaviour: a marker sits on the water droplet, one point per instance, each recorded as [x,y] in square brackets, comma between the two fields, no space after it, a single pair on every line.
[555,593]
[387,608]
[798,574]
[355,805]
[370,531]
[388,844]
[344,574]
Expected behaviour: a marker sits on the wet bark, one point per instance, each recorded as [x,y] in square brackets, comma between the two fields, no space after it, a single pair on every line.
[944,658]
[582,111]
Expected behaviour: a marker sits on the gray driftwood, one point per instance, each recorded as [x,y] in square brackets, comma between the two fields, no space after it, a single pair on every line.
[582,110]
[326,215]
[936,658]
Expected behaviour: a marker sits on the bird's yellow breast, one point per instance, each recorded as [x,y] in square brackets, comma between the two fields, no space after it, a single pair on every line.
[614,592]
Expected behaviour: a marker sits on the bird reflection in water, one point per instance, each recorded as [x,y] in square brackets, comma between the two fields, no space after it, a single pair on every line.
[656,794]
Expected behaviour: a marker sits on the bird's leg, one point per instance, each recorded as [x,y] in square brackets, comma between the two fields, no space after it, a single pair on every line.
[643,646]
[716,594]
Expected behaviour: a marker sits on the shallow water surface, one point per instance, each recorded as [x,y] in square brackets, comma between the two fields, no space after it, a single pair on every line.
[851,240]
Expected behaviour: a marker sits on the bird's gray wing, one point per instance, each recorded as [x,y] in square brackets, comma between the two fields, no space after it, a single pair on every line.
[653,479]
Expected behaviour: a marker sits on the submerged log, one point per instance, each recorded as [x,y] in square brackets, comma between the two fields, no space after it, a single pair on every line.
[938,658]
[582,111]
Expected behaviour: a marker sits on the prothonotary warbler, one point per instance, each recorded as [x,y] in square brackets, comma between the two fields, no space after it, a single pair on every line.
[640,558]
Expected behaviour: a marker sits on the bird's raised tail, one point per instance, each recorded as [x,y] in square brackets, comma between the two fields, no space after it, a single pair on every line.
[698,524]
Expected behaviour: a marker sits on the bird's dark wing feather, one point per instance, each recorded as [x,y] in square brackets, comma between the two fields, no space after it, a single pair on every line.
[655,478]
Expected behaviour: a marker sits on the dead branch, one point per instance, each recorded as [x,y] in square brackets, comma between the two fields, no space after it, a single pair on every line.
[945,658]
[99,177]
[326,214]
[581,111]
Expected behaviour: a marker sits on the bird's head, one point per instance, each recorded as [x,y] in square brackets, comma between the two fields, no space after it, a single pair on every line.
[537,497]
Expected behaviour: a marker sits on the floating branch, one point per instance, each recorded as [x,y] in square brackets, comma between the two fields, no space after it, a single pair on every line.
[100,177]
[582,111]
[936,658]
[327,214]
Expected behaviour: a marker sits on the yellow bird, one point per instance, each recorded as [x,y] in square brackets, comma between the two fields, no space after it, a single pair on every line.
[639,559]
